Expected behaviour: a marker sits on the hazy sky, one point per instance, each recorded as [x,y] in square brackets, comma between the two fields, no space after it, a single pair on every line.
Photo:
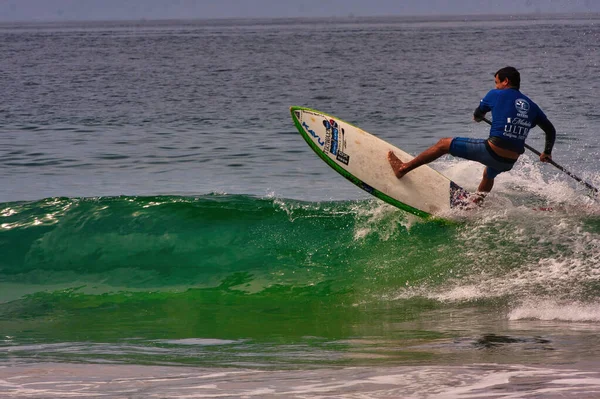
[45,10]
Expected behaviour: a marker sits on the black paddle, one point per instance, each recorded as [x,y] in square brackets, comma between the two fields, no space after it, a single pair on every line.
[536,152]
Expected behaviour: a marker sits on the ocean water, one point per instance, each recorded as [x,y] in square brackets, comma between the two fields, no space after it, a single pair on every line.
[165,232]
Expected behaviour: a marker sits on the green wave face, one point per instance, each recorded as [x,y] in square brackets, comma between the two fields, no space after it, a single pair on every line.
[249,269]
[197,265]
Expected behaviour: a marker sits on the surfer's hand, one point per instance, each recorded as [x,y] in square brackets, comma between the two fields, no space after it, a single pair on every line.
[545,157]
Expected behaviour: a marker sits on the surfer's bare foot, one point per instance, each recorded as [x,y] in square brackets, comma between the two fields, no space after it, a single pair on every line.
[397,165]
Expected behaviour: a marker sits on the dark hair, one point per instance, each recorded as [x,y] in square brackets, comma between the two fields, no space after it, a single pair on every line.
[514,77]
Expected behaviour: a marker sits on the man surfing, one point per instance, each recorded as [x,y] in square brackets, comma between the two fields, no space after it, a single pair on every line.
[514,115]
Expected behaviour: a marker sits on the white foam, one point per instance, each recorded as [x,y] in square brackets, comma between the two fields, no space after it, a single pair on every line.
[563,279]
[529,176]
[381,219]
[508,249]
[431,381]
[466,174]
[555,310]
[198,341]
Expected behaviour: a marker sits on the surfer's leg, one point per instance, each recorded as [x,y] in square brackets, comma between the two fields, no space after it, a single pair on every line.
[397,165]
[487,183]
[429,155]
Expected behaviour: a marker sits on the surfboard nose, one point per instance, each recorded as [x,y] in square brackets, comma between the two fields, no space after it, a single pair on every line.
[295,111]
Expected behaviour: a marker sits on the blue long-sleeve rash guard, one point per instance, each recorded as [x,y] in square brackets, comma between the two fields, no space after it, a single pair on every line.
[514,115]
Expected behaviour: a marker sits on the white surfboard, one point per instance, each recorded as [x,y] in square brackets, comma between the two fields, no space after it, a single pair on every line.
[362,158]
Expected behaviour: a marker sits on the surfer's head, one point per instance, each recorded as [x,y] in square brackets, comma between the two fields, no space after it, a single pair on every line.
[507,77]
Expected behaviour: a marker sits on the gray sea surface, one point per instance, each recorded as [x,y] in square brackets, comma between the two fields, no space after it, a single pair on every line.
[193,107]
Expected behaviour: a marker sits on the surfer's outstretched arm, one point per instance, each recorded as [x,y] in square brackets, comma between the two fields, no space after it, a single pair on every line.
[400,168]
[550,132]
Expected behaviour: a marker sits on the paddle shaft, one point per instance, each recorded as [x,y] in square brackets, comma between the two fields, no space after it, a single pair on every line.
[559,167]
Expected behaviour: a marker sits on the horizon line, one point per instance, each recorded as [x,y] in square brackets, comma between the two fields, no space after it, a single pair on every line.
[350,16]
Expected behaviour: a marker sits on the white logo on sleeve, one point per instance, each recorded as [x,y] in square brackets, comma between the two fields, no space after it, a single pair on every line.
[522,105]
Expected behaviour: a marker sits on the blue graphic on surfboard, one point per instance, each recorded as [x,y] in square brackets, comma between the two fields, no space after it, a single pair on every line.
[362,158]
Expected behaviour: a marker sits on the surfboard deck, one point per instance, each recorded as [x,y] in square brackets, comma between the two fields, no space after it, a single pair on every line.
[362,158]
